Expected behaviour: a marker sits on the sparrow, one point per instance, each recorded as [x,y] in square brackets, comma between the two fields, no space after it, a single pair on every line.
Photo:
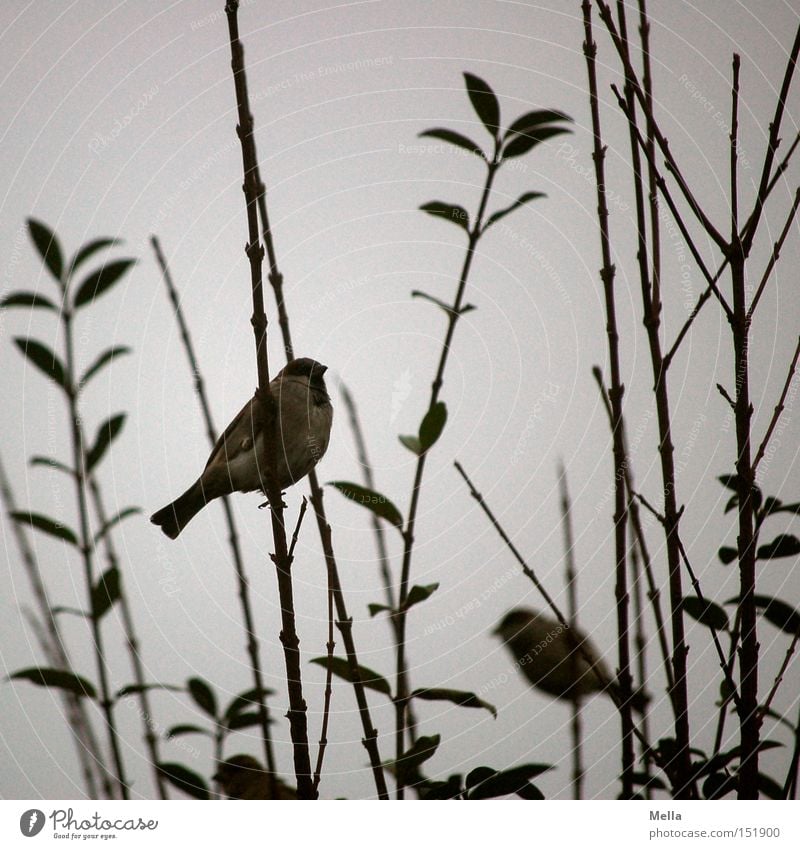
[547,653]
[304,423]
[243,777]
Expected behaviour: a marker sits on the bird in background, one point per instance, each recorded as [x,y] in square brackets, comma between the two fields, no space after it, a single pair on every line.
[243,777]
[303,428]
[547,654]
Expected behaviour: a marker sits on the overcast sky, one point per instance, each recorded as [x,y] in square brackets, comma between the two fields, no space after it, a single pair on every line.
[119,120]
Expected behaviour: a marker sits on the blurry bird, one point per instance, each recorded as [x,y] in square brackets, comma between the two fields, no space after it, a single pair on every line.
[303,429]
[548,655]
[243,777]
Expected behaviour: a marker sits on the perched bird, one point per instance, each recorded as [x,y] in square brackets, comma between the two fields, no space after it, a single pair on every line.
[243,777]
[303,427]
[547,653]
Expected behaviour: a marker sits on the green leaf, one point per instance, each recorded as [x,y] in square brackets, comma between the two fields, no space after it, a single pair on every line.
[47,244]
[106,434]
[432,425]
[246,719]
[369,678]
[88,250]
[523,142]
[374,501]
[520,201]
[484,102]
[784,545]
[420,593]
[100,281]
[203,696]
[184,779]
[52,463]
[412,443]
[181,730]
[247,699]
[134,689]
[60,679]
[28,299]
[374,609]
[486,783]
[453,138]
[44,359]
[706,613]
[115,520]
[421,750]
[45,524]
[106,592]
[727,554]
[104,358]
[457,697]
[449,211]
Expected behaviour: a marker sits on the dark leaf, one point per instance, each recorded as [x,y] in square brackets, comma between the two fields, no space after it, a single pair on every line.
[531,120]
[246,700]
[203,696]
[374,501]
[412,443]
[184,779]
[43,523]
[779,613]
[134,689]
[784,545]
[720,761]
[729,481]
[369,678]
[421,750]
[72,611]
[115,520]
[104,358]
[520,201]
[728,554]
[773,714]
[374,609]
[452,212]
[454,138]
[432,425]
[246,719]
[507,782]
[479,775]
[709,614]
[521,144]
[446,307]
[642,779]
[769,787]
[106,592]
[484,102]
[61,679]
[733,501]
[772,505]
[44,359]
[789,508]
[52,464]
[47,244]
[457,697]
[100,281]
[452,788]
[106,434]
[419,593]
[89,250]
[180,730]
[28,299]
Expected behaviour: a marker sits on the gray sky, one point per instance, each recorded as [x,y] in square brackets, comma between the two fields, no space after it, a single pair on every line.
[118,120]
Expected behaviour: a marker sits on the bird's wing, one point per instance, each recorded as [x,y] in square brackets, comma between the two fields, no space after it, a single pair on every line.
[238,435]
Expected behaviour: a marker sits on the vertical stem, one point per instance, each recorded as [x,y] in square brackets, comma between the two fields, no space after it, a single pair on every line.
[297,714]
[615,393]
[640,642]
[401,691]
[572,613]
[86,546]
[253,648]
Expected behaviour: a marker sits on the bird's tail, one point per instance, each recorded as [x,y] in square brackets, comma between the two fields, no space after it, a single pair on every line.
[173,518]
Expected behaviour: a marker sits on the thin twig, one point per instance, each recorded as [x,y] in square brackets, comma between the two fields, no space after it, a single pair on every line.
[243,584]
[781,672]
[776,414]
[297,714]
